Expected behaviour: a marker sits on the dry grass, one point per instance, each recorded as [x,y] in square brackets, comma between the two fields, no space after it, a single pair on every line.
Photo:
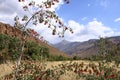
[6,69]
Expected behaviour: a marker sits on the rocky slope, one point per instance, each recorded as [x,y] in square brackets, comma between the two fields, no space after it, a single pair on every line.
[9,30]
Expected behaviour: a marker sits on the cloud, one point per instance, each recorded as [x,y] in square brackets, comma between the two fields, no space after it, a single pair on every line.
[8,19]
[92,30]
[117,20]
[9,9]
[98,29]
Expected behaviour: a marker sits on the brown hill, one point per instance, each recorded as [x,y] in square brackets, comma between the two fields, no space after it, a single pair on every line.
[12,31]
[84,49]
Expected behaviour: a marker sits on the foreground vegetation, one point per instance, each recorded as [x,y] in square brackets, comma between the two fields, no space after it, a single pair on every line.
[33,66]
[66,70]
[10,48]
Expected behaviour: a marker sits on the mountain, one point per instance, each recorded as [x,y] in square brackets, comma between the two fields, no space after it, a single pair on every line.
[62,45]
[12,31]
[80,48]
[83,49]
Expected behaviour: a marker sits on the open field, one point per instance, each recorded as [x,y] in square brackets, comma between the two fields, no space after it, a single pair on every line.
[6,69]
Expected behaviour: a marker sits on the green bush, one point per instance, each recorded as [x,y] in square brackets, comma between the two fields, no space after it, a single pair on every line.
[76,58]
[35,51]
[58,58]
[10,48]
[14,47]
[4,41]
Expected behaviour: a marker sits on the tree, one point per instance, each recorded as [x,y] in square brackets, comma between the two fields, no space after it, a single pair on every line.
[102,46]
[76,58]
[41,14]
[107,49]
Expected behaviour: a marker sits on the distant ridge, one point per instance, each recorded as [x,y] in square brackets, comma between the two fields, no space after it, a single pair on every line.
[83,49]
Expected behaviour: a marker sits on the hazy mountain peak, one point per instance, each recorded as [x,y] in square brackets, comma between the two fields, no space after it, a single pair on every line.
[65,41]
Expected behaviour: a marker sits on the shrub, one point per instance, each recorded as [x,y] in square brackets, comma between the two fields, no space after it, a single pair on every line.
[10,48]
[4,41]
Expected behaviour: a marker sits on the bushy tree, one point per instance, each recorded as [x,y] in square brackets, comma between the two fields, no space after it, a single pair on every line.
[108,50]
[34,51]
[102,47]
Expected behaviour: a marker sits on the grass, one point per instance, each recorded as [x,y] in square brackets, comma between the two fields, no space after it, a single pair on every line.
[6,69]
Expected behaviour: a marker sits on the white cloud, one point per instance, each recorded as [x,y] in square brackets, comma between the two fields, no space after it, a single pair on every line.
[98,29]
[8,19]
[9,9]
[92,30]
[117,20]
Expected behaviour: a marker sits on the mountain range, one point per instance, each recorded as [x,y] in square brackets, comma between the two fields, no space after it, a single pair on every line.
[83,49]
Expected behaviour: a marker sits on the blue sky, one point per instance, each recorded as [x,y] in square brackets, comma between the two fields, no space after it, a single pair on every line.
[89,19]
[84,11]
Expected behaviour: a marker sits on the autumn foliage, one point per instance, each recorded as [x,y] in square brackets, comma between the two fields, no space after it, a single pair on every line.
[42,15]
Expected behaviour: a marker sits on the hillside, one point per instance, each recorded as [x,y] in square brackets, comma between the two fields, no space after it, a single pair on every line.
[84,49]
[11,31]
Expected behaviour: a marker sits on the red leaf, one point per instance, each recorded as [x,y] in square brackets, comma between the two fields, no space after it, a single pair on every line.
[25,8]
[66,28]
[112,76]
[54,31]
[30,4]
[85,70]
[90,71]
